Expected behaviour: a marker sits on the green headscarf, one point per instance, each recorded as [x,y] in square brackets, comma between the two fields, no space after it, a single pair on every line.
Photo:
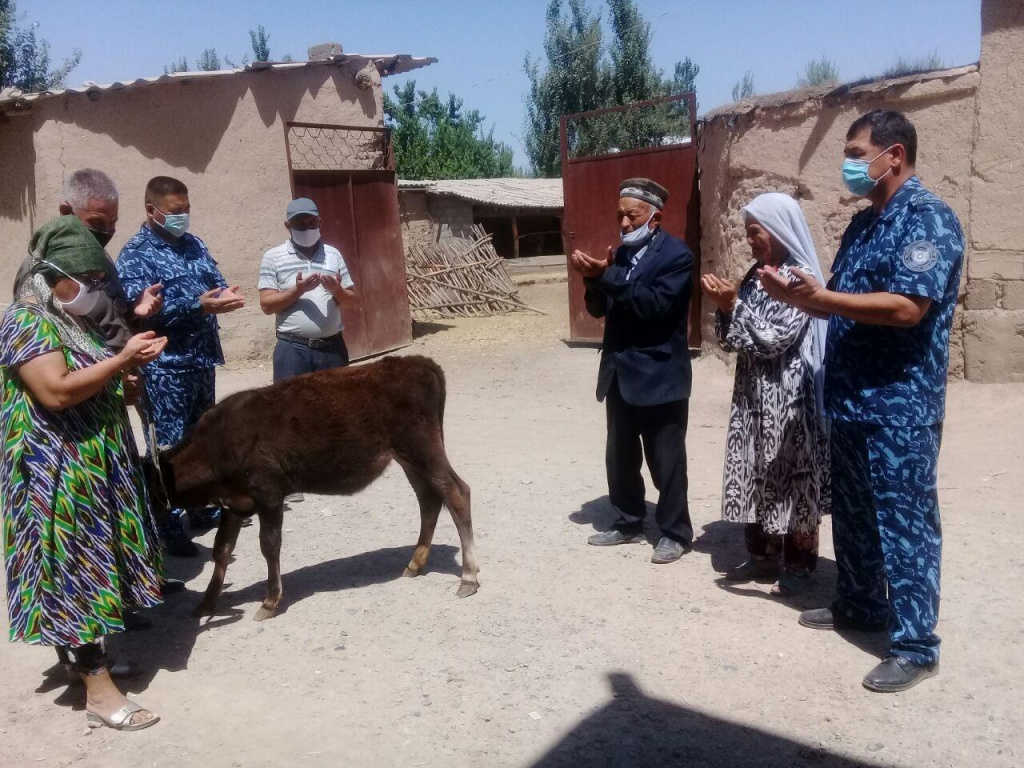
[67,244]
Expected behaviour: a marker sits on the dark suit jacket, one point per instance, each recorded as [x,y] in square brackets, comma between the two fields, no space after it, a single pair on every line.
[645,345]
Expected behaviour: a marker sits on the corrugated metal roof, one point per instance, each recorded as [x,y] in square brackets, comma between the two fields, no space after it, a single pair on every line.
[389,64]
[505,193]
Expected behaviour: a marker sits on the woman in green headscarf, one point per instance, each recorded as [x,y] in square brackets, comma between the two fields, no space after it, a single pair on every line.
[79,541]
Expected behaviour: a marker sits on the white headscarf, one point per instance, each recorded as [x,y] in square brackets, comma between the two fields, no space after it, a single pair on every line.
[781,215]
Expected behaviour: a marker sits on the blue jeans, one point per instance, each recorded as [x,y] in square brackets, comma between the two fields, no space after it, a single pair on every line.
[887,532]
[292,358]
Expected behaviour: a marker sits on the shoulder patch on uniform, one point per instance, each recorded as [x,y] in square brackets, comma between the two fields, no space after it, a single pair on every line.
[920,256]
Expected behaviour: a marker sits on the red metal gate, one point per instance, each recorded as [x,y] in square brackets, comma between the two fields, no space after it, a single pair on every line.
[590,186]
[349,174]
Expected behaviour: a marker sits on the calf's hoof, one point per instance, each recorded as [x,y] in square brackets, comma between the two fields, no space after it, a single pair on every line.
[203,609]
[410,573]
[264,613]
[466,589]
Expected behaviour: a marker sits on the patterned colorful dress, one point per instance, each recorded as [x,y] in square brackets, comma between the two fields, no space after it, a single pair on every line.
[777,457]
[79,541]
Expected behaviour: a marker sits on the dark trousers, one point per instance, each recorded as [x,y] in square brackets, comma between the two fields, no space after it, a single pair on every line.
[887,533]
[292,358]
[799,551]
[659,433]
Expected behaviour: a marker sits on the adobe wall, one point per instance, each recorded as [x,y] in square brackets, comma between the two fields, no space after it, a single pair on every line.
[793,142]
[223,136]
[418,228]
[994,317]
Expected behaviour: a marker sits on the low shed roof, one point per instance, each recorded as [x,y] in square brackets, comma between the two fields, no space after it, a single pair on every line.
[501,193]
[387,64]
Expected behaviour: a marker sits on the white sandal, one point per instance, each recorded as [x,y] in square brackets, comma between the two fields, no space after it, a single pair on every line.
[122,719]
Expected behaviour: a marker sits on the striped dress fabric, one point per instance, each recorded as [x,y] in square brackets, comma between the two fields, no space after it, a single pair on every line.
[80,545]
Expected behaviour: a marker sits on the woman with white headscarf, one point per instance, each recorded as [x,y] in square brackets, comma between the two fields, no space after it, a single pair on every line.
[777,458]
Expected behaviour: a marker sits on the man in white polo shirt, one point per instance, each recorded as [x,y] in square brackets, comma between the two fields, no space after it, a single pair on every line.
[304,282]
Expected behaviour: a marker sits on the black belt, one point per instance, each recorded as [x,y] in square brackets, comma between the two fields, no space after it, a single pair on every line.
[330,341]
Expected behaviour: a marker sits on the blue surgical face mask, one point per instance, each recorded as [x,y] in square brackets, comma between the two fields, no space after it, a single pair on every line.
[856,176]
[640,235]
[175,224]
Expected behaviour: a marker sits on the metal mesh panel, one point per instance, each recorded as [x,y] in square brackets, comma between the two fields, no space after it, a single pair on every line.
[314,148]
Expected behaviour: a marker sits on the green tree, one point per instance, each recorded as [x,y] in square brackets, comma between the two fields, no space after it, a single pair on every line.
[434,138]
[25,58]
[902,67]
[684,79]
[208,61]
[582,74]
[634,76]
[818,72]
[177,66]
[574,80]
[260,43]
[744,87]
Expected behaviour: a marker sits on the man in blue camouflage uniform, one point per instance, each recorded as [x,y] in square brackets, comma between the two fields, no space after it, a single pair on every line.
[890,305]
[181,382]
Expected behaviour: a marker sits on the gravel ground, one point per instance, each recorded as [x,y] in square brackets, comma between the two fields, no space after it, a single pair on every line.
[568,655]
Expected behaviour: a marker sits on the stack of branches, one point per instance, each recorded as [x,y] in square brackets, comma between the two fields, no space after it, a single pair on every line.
[460,278]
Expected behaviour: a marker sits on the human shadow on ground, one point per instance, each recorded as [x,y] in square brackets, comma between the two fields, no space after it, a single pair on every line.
[725,544]
[635,730]
[600,514]
[168,645]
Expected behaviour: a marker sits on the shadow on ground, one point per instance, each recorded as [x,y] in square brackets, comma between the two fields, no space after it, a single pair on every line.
[421,328]
[167,646]
[723,542]
[600,514]
[634,730]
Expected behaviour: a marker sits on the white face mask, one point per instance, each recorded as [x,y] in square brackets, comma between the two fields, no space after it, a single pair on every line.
[640,235]
[306,238]
[84,303]
[85,300]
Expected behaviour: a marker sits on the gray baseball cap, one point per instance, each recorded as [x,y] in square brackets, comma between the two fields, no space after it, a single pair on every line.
[303,206]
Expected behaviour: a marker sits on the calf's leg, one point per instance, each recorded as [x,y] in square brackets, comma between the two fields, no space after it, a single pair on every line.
[270,544]
[456,497]
[223,546]
[430,509]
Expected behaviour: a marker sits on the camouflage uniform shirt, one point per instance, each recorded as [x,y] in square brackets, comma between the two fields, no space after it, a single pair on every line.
[885,375]
[186,270]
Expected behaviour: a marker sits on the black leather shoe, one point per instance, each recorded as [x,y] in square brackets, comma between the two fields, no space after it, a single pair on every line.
[897,674]
[136,622]
[824,618]
[171,586]
[181,546]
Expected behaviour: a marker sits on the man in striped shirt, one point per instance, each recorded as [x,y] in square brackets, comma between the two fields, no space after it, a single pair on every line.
[304,282]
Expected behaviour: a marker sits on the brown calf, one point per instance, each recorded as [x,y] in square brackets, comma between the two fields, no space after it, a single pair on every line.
[332,432]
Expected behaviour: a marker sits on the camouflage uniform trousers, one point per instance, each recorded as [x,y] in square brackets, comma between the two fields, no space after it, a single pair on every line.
[887,532]
[176,401]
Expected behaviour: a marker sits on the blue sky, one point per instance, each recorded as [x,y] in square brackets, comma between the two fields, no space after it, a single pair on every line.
[481,45]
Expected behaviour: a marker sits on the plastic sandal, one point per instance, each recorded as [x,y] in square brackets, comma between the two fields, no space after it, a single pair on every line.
[122,719]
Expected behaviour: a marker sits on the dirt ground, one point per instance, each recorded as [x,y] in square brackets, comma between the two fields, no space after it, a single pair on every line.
[569,655]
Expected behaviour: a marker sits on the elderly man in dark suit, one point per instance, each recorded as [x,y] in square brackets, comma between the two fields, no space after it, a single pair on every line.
[643,289]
